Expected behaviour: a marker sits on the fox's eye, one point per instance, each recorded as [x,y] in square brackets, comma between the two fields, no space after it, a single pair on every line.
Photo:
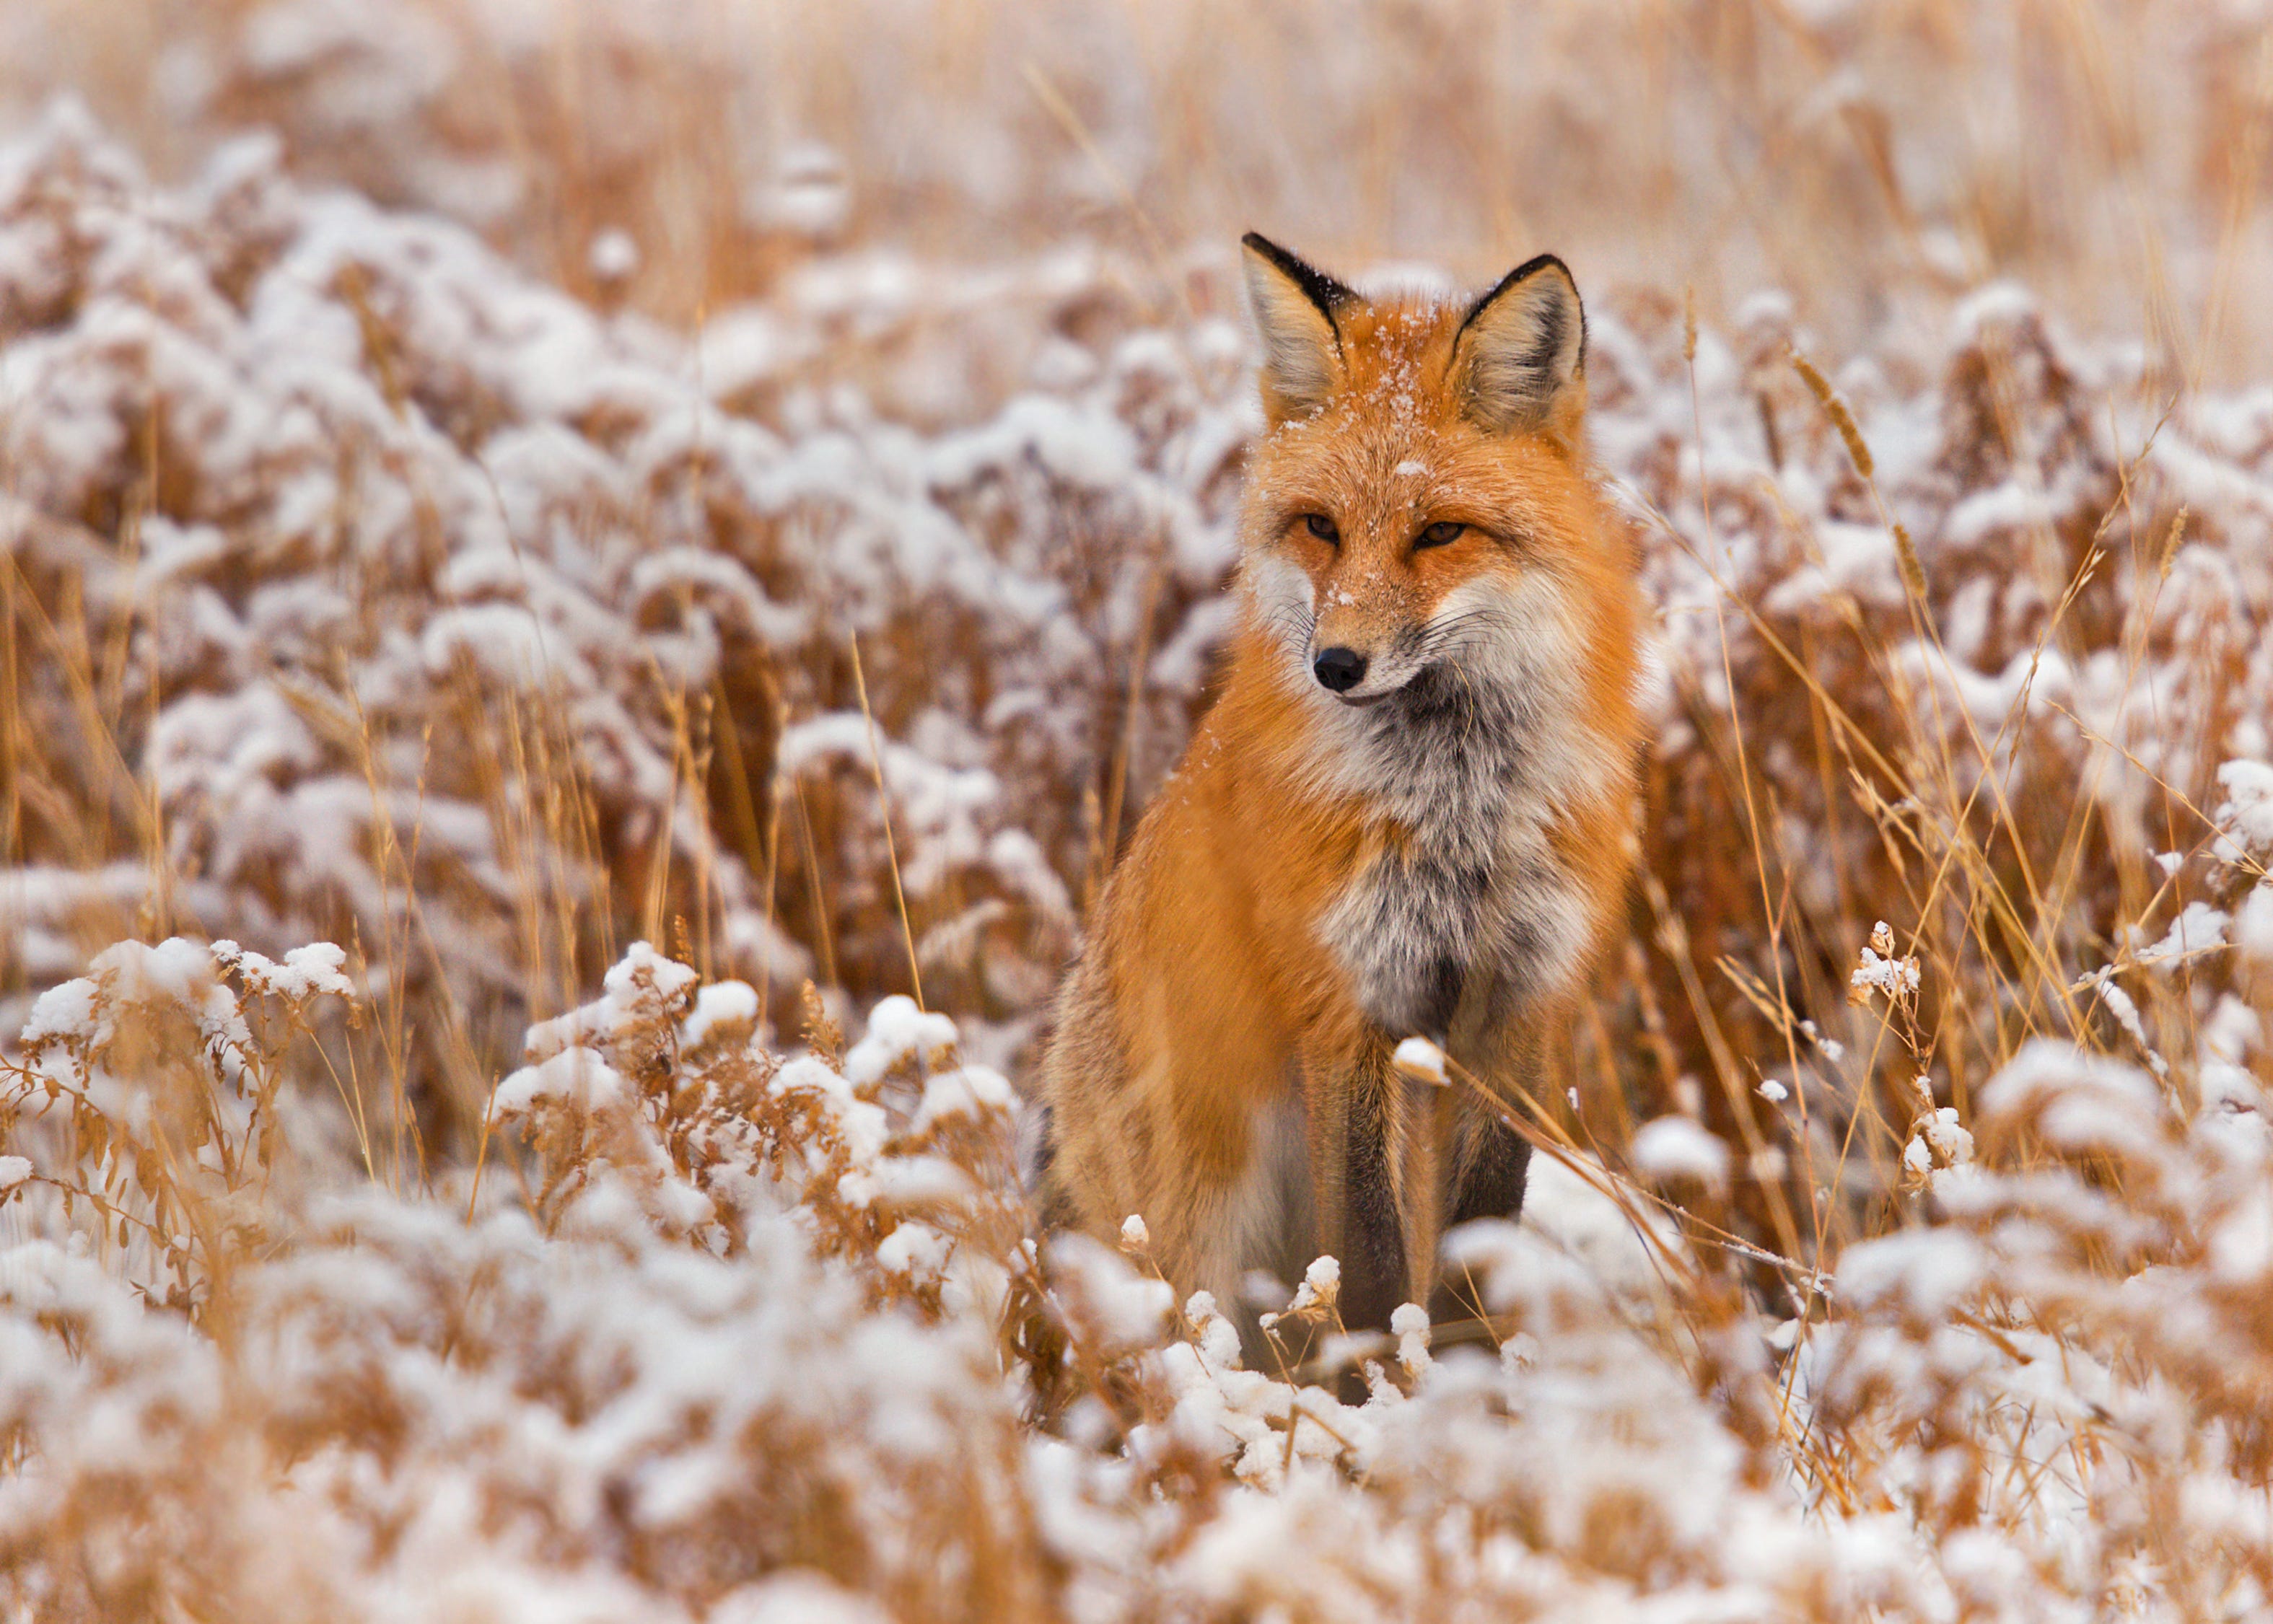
[1442,531]
[1323,528]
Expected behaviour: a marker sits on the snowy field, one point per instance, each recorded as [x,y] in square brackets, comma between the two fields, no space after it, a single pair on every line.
[589,593]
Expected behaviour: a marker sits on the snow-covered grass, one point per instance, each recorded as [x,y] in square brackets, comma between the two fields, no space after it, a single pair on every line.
[410,614]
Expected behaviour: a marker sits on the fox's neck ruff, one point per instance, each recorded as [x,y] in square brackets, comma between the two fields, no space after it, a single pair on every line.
[1457,776]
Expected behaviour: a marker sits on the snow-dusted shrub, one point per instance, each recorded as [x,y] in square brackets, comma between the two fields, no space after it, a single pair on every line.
[365,588]
[768,1331]
[705,1352]
[151,1086]
[392,597]
[444,617]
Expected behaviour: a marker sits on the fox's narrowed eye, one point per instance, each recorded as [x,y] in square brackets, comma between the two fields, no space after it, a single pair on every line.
[1438,534]
[1323,528]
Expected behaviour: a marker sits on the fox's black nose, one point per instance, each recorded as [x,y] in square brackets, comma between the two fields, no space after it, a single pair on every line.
[1339,669]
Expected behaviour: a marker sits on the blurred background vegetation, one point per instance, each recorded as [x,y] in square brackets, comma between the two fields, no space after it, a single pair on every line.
[1867,159]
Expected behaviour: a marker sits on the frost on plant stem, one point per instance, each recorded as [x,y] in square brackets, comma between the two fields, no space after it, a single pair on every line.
[1420,1059]
[1882,970]
[1940,1148]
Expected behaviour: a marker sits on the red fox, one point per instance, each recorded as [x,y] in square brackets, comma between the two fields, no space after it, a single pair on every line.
[1408,814]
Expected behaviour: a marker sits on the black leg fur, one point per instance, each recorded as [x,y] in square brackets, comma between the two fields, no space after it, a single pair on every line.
[1054,1208]
[1373,1258]
[1491,1184]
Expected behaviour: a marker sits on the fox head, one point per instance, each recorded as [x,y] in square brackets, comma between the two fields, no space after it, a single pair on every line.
[1420,502]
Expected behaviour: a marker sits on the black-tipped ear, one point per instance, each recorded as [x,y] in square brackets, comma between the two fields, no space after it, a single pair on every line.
[1520,356]
[1294,307]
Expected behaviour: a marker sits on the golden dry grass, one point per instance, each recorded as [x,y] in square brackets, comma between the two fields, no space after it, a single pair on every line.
[1967,607]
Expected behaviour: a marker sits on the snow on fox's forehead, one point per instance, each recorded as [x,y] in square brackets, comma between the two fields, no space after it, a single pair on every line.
[1395,358]
[1399,346]
[1397,355]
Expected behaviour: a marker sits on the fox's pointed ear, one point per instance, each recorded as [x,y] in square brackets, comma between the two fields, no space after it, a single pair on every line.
[1521,356]
[1294,309]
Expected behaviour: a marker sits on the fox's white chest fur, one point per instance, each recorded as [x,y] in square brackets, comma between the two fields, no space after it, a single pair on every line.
[1466,767]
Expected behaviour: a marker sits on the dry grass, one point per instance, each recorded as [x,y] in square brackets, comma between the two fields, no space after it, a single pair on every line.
[1870,160]
[359,588]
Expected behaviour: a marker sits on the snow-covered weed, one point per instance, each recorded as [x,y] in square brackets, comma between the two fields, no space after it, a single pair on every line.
[762,1318]
[1900,1233]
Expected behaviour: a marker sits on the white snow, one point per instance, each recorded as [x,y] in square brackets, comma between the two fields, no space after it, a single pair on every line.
[720,1005]
[1678,1148]
[2253,931]
[1420,1059]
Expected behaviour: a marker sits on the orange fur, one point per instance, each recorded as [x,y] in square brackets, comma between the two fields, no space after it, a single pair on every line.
[1214,1035]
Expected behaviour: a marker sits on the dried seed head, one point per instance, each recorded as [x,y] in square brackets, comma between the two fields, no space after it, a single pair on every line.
[1906,555]
[1835,408]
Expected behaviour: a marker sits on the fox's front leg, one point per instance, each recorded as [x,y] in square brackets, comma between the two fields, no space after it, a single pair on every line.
[1406,928]
[1428,1159]
[1499,1040]
[1499,1036]
[1351,1099]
